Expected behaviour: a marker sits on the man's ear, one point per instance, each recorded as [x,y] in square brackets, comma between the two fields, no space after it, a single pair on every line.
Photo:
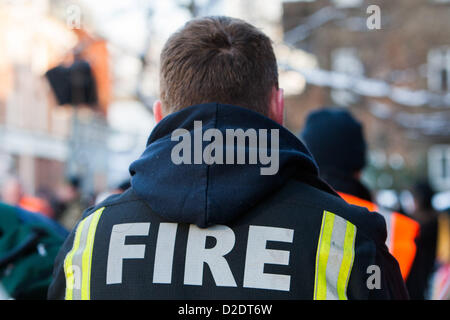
[277,105]
[157,111]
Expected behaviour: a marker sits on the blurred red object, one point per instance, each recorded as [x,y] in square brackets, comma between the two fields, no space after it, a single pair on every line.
[36,205]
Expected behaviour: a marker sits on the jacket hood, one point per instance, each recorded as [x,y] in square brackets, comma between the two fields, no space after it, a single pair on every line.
[207,194]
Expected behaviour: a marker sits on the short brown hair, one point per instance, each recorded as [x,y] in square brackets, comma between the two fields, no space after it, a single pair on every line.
[218,59]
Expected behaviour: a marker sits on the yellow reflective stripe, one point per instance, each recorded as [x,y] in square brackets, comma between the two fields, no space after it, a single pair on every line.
[68,268]
[323,251]
[87,256]
[347,261]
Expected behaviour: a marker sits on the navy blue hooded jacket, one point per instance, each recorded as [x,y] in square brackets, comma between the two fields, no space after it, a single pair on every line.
[224,230]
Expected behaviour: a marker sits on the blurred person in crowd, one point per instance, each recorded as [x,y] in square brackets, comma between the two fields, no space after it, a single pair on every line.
[13,193]
[336,140]
[219,78]
[440,279]
[29,243]
[71,204]
[433,244]
[423,211]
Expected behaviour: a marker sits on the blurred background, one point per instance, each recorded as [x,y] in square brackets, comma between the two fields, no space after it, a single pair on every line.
[78,80]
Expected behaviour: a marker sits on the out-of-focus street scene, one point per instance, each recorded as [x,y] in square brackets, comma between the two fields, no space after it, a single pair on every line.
[79,78]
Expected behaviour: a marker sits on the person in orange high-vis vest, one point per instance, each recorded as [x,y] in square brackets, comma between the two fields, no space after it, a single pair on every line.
[335,139]
[401,232]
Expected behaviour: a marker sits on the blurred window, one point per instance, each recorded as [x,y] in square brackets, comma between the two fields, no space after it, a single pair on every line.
[439,69]
[347,3]
[346,60]
[388,199]
[439,166]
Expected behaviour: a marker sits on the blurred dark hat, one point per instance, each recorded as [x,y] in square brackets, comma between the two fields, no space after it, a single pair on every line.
[335,139]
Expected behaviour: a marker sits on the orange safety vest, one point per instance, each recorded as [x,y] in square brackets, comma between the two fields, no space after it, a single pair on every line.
[36,205]
[402,232]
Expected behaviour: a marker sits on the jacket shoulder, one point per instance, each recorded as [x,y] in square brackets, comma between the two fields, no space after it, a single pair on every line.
[127,197]
[372,224]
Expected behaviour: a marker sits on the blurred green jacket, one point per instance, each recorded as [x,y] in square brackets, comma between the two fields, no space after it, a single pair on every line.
[29,243]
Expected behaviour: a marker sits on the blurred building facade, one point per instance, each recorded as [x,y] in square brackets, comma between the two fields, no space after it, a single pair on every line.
[37,141]
[395,79]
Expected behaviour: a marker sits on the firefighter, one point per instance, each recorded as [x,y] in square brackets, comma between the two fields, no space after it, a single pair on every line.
[225,203]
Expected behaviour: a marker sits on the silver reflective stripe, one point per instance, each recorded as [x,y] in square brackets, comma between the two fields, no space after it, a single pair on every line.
[387,217]
[335,256]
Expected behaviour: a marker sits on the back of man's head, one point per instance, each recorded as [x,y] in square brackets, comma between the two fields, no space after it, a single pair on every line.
[218,59]
[336,140]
